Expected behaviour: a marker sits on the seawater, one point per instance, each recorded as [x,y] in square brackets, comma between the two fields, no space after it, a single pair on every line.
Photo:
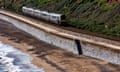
[2,68]
[22,60]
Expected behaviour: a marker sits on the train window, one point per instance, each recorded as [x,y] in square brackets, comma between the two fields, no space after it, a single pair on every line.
[44,14]
[36,12]
[54,17]
[29,10]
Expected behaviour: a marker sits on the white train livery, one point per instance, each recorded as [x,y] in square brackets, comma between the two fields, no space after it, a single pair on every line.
[50,17]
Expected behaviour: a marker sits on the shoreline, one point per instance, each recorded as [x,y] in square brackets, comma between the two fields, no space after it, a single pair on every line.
[36,61]
[51,58]
[15,60]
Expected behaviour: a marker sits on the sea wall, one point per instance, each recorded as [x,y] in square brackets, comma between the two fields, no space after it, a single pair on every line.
[109,53]
[101,52]
[67,44]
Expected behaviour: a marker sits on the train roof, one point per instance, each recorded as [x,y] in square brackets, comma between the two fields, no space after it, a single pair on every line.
[46,12]
[27,8]
[54,14]
[37,10]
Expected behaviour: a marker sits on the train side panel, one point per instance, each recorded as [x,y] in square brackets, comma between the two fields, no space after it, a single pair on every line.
[28,11]
[45,16]
[55,18]
[37,13]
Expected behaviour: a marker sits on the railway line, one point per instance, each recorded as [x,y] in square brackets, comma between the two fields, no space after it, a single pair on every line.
[83,41]
[50,57]
[66,33]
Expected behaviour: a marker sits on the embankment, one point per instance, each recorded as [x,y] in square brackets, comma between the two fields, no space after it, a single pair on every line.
[91,46]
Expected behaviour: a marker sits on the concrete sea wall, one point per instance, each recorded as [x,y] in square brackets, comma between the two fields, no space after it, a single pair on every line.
[100,52]
[61,42]
[76,46]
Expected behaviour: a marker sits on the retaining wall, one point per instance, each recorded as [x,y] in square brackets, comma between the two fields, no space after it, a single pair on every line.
[100,52]
[68,44]
[88,48]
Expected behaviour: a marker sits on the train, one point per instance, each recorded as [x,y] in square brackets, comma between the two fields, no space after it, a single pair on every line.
[59,19]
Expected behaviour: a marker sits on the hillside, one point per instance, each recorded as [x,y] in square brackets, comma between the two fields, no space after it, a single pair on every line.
[101,16]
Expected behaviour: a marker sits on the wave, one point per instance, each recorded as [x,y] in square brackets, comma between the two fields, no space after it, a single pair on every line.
[13,60]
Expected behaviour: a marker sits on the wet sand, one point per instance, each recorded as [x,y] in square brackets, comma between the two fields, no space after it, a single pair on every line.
[49,57]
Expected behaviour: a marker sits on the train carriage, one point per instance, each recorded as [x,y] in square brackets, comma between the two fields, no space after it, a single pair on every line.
[51,17]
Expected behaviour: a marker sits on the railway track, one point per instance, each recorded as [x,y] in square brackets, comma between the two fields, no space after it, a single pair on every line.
[84,36]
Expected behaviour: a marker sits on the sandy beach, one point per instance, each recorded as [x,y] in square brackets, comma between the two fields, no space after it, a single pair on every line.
[49,57]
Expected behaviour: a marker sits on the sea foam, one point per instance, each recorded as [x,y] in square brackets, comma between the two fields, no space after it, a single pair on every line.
[13,60]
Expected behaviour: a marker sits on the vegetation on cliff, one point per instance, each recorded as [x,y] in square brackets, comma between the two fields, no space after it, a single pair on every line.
[93,15]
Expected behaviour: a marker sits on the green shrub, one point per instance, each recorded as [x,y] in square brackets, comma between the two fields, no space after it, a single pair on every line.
[93,15]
